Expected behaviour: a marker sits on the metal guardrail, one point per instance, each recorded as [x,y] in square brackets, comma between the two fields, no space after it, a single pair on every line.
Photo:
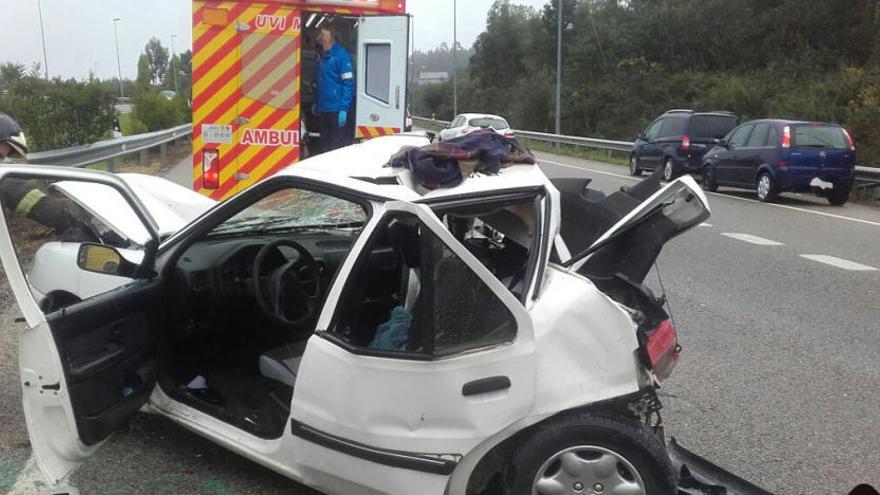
[601,144]
[111,149]
[866,177]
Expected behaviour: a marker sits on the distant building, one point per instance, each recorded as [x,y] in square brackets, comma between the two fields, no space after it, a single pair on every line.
[432,77]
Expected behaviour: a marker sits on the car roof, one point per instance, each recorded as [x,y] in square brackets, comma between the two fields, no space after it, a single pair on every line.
[792,122]
[481,116]
[720,113]
[367,163]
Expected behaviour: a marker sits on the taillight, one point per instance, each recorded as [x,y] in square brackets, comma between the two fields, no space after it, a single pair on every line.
[786,137]
[210,169]
[663,349]
[849,140]
[468,129]
[508,133]
[685,143]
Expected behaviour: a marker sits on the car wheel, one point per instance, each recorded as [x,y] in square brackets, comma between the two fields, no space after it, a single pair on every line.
[839,197]
[709,183]
[634,169]
[668,170]
[766,188]
[592,453]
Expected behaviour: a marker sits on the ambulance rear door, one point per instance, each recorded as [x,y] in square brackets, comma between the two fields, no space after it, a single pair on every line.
[381,74]
[268,112]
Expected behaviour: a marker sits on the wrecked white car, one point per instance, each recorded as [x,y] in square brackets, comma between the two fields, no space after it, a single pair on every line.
[342,326]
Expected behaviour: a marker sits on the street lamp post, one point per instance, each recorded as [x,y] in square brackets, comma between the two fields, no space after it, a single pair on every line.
[558,67]
[43,35]
[118,65]
[454,60]
[173,68]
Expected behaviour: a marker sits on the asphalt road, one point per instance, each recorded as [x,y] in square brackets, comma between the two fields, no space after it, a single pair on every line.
[778,382]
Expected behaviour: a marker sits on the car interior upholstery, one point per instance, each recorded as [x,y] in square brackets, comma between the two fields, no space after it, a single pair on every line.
[226,356]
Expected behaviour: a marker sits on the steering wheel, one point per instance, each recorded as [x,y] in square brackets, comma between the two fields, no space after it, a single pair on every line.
[289,295]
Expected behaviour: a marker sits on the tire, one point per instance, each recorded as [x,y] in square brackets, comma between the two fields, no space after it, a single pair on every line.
[623,453]
[634,168]
[765,187]
[709,183]
[668,170]
[839,197]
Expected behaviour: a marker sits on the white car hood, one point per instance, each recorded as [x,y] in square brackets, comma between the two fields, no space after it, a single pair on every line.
[172,206]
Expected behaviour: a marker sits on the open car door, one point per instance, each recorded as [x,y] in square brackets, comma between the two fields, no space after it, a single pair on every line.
[87,366]
[381,75]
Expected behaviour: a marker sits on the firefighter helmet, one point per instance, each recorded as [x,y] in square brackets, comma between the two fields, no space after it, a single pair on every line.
[11,134]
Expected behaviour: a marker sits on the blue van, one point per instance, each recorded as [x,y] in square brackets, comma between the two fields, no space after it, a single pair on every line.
[772,156]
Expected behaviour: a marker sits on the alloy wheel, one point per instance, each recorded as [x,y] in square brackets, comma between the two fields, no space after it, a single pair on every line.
[764,186]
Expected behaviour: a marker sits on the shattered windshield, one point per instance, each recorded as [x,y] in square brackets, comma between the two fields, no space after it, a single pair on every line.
[295,209]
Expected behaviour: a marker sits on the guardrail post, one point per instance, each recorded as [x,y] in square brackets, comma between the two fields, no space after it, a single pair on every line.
[144,157]
[111,165]
[163,150]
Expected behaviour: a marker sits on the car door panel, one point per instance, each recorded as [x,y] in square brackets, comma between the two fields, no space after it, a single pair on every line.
[653,148]
[107,350]
[729,162]
[86,367]
[414,407]
[751,155]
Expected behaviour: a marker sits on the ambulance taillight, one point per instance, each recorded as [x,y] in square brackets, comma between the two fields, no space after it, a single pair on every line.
[210,169]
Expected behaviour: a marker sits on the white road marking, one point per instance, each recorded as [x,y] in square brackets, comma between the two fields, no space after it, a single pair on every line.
[839,262]
[704,224]
[752,239]
[776,205]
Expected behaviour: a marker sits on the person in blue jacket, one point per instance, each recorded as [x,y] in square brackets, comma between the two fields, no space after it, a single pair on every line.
[334,76]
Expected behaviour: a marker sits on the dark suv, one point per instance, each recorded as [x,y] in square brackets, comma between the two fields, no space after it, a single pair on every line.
[677,140]
[771,156]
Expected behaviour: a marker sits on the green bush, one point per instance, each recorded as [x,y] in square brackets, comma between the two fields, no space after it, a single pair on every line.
[156,112]
[56,113]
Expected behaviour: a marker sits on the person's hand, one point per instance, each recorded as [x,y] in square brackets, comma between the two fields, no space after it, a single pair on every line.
[314,108]
[343,117]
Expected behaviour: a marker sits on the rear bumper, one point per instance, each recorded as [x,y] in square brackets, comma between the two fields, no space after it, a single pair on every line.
[840,180]
[688,163]
[698,476]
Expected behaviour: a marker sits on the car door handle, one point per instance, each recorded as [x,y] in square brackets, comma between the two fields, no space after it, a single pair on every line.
[485,385]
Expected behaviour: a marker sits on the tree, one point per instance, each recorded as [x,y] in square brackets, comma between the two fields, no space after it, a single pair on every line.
[157,60]
[144,75]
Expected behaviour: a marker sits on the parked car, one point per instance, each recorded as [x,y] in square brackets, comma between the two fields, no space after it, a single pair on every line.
[469,122]
[351,331]
[772,156]
[677,140]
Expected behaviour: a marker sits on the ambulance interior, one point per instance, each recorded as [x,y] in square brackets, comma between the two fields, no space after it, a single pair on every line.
[345,29]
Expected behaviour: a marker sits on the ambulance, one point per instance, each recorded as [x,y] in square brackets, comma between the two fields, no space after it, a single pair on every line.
[253,82]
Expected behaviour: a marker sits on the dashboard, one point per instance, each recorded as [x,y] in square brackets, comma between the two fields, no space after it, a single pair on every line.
[213,276]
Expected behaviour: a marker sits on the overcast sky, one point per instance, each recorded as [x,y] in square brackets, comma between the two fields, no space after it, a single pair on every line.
[79,34]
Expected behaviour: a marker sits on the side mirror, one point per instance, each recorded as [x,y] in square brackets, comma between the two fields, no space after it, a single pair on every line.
[98,258]
[722,143]
[642,136]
